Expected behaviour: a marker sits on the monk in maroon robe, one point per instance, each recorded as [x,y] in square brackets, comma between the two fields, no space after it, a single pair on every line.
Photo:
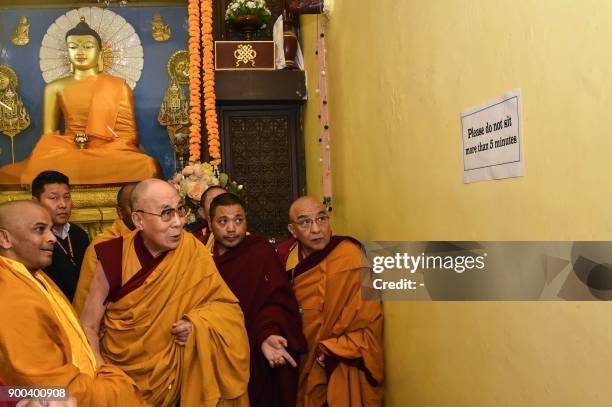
[250,267]
[202,231]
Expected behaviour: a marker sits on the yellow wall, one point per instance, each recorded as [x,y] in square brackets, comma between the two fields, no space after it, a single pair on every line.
[400,73]
[308,27]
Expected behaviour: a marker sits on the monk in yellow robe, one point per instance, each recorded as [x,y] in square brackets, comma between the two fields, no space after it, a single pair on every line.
[344,365]
[170,322]
[120,227]
[42,342]
[94,104]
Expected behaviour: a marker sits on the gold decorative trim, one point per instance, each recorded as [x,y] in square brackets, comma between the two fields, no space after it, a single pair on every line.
[93,207]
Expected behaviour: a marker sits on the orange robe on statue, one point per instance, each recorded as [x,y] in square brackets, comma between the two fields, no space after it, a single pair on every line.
[212,369]
[42,343]
[102,107]
[337,322]
[90,261]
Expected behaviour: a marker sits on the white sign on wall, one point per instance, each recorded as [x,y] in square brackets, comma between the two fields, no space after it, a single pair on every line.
[492,144]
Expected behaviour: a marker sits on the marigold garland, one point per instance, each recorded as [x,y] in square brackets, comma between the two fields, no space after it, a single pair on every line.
[200,21]
[195,116]
[210,102]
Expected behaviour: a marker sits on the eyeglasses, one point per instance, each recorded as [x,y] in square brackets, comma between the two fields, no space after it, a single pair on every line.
[308,222]
[168,214]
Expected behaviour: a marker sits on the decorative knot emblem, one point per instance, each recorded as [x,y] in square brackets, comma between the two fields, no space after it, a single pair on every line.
[245,54]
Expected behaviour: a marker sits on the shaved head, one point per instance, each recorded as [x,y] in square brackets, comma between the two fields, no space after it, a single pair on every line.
[124,210]
[150,200]
[9,212]
[304,202]
[145,189]
[207,197]
[309,224]
[214,188]
[25,234]
[123,196]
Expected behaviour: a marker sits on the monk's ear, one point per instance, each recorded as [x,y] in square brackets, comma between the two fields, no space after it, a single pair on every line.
[291,229]
[137,220]
[119,212]
[5,240]
[35,199]
[201,213]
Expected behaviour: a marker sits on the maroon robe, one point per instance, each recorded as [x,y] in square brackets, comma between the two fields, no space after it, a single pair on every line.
[6,403]
[305,264]
[202,232]
[110,254]
[254,274]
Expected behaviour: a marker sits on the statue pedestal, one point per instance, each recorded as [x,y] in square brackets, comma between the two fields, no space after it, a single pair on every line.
[93,207]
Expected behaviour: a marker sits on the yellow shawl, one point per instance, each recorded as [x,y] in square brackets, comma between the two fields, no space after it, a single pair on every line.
[213,368]
[43,343]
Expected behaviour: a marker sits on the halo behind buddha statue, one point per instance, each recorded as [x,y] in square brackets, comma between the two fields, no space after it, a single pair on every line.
[122,52]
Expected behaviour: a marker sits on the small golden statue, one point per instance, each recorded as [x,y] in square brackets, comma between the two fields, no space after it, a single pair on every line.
[174,109]
[174,114]
[21,35]
[159,31]
[14,117]
[178,67]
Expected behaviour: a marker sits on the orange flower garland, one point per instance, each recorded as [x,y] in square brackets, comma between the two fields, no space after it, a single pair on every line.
[195,116]
[212,126]
[201,25]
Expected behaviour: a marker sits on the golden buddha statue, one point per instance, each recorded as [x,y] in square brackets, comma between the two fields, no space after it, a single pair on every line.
[159,31]
[96,107]
[21,35]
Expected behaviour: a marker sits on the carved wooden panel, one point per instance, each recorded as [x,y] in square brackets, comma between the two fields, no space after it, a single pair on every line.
[263,149]
[224,31]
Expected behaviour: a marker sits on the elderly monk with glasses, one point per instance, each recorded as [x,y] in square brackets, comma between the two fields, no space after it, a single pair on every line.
[344,363]
[168,318]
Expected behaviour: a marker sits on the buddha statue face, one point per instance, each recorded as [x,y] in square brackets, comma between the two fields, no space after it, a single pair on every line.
[83,52]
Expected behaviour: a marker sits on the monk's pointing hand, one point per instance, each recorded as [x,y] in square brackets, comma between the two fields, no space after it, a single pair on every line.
[181,330]
[274,350]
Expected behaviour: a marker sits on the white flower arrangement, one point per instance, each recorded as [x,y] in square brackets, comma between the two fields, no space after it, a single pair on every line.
[237,8]
[194,179]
